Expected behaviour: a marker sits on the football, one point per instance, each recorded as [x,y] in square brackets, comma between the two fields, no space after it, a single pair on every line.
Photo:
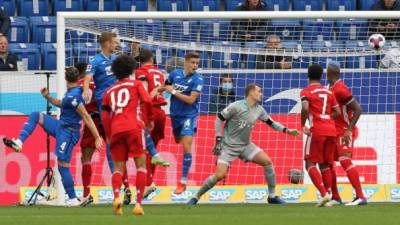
[295,176]
[376,41]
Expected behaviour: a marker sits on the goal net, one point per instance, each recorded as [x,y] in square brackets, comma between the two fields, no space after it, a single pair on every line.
[272,49]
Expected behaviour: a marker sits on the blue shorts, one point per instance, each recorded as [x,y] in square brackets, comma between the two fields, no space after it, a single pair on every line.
[184,126]
[66,138]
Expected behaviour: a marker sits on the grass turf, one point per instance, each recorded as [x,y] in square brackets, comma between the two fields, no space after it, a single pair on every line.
[246,214]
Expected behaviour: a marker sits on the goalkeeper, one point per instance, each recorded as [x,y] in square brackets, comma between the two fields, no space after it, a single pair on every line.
[240,117]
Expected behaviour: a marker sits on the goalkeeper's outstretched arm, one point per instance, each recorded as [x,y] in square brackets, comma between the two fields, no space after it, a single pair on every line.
[279,127]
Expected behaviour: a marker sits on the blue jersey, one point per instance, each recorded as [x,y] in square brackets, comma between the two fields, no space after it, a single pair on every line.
[69,116]
[185,85]
[100,68]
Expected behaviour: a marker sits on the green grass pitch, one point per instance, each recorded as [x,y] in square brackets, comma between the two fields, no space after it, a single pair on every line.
[244,214]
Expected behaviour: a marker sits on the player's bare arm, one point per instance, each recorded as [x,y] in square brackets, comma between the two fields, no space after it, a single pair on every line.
[335,112]
[86,82]
[87,119]
[305,111]
[46,95]
[190,100]
[356,108]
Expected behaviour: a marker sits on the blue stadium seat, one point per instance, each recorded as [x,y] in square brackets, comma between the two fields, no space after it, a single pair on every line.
[366,4]
[323,47]
[181,30]
[133,5]
[307,5]
[43,29]
[286,29]
[19,30]
[33,7]
[84,52]
[28,53]
[73,36]
[203,57]
[148,29]
[225,59]
[160,54]
[352,29]
[341,5]
[205,5]
[319,29]
[277,5]
[67,5]
[9,7]
[49,55]
[291,45]
[101,5]
[251,58]
[214,30]
[172,5]
[356,61]
[231,5]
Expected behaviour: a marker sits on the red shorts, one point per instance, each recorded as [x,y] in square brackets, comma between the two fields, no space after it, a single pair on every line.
[320,149]
[124,143]
[87,140]
[342,149]
[159,118]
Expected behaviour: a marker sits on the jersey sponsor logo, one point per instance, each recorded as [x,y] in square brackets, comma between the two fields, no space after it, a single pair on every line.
[184,197]
[369,192]
[105,195]
[180,88]
[395,193]
[255,194]
[220,195]
[292,194]
[74,102]
[108,71]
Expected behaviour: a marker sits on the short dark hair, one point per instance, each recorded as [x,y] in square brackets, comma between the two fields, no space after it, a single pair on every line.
[249,88]
[123,66]
[315,72]
[144,55]
[192,55]
[106,36]
[81,67]
[71,74]
[223,76]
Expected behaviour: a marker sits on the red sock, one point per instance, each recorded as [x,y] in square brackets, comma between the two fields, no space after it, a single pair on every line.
[317,180]
[149,168]
[140,184]
[335,191]
[352,174]
[327,179]
[86,177]
[116,180]
[125,180]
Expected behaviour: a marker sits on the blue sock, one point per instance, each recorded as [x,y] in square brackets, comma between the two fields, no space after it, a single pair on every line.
[67,181]
[150,144]
[187,162]
[29,126]
[109,159]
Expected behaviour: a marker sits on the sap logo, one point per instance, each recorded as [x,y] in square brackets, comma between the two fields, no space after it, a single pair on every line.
[180,88]
[185,196]
[152,195]
[395,193]
[105,195]
[369,191]
[292,194]
[255,194]
[220,195]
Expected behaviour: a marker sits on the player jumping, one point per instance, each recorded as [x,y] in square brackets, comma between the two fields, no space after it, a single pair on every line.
[123,129]
[152,79]
[319,106]
[240,117]
[345,131]
[185,86]
[66,130]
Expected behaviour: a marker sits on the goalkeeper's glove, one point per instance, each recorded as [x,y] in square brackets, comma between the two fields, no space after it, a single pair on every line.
[292,132]
[218,146]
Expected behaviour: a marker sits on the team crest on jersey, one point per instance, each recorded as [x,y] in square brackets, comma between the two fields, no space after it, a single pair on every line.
[74,102]
[108,70]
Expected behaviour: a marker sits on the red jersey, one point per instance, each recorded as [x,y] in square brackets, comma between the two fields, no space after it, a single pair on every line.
[154,78]
[91,107]
[344,97]
[121,107]
[321,101]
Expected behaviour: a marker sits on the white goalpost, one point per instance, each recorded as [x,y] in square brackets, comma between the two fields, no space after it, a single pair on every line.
[272,49]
